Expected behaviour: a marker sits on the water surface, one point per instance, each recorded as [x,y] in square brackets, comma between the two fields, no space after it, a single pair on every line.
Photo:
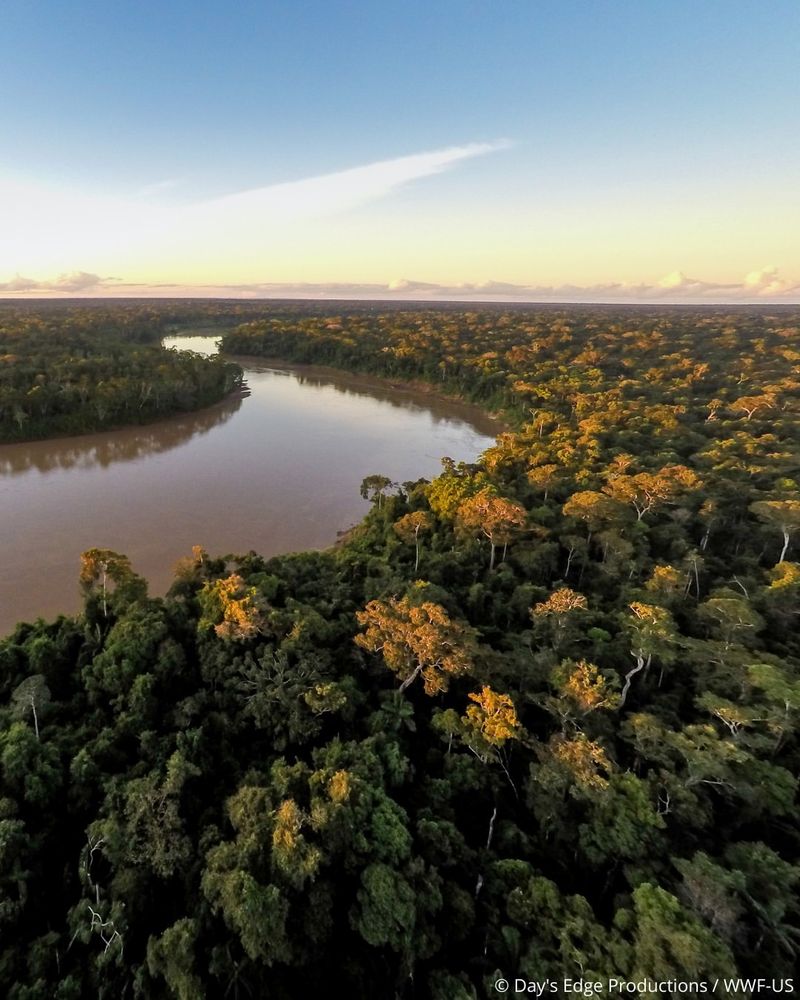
[278,471]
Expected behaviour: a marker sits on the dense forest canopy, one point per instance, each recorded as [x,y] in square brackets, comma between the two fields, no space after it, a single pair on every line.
[69,371]
[536,718]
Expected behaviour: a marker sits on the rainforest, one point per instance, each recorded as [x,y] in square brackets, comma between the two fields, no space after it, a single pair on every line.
[90,370]
[534,717]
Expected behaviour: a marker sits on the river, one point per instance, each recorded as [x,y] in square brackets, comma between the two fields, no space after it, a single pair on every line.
[277,471]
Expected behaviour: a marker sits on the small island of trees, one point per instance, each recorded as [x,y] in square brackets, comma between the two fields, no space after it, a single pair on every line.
[92,370]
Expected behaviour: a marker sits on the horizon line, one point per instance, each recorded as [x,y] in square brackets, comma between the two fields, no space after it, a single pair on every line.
[627,303]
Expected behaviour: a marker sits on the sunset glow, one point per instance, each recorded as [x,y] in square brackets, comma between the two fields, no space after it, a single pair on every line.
[138,166]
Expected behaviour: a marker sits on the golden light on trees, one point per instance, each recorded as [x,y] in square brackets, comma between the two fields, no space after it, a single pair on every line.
[665,580]
[651,632]
[584,686]
[559,609]
[750,405]
[416,639]
[100,567]
[544,477]
[584,760]
[595,509]
[560,602]
[645,491]
[496,518]
[493,717]
[235,610]
[785,575]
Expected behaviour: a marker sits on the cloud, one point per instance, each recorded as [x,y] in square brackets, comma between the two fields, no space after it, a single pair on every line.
[46,226]
[75,281]
[340,191]
[764,285]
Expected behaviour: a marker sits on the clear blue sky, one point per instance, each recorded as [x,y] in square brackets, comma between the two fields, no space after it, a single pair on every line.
[658,106]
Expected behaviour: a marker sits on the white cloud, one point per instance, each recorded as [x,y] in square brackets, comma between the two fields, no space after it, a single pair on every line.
[44,227]
[340,191]
[673,288]
[75,281]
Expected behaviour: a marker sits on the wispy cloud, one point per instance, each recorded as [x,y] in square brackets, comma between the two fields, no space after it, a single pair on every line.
[764,285]
[343,190]
[73,283]
[44,226]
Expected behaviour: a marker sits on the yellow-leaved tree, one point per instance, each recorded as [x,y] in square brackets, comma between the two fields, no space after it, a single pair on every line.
[496,518]
[559,610]
[102,567]
[492,717]
[416,639]
[235,610]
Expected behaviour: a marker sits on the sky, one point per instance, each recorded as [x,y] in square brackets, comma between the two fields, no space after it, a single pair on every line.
[537,150]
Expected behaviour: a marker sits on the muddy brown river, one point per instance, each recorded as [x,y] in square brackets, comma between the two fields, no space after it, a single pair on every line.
[278,471]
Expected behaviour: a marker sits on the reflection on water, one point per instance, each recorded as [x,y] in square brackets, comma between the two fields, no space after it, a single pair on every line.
[276,472]
[398,396]
[90,450]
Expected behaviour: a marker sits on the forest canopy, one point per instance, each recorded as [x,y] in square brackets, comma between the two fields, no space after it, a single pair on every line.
[537,717]
[86,370]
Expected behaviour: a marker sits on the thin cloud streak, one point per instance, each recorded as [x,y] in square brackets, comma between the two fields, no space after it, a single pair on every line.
[343,190]
[43,226]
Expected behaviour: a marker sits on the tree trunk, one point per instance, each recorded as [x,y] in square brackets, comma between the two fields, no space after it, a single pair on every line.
[491,557]
[411,677]
[640,664]
[479,883]
[785,545]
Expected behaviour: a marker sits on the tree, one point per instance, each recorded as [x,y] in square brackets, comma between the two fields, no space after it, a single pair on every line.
[373,488]
[410,527]
[651,632]
[560,608]
[647,490]
[492,717]
[32,692]
[583,686]
[99,567]
[731,614]
[752,404]
[235,610]
[665,582]
[417,639]
[669,943]
[496,518]
[582,760]
[782,514]
[544,477]
[172,955]
[595,509]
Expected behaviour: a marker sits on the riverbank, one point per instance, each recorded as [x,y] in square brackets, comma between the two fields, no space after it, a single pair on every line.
[240,392]
[278,472]
[490,423]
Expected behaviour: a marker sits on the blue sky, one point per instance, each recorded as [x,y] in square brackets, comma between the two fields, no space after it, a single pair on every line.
[643,140]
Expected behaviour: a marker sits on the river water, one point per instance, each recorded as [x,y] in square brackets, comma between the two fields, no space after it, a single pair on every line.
[277,471]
